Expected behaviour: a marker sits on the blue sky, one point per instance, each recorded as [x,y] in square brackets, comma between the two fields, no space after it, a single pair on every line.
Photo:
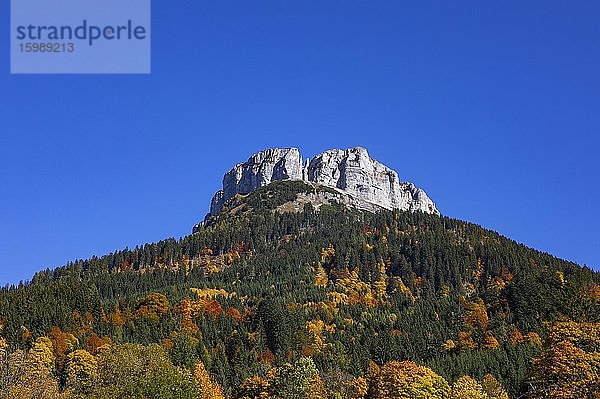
[492,108]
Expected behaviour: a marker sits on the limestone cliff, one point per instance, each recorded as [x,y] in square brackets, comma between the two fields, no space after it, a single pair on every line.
[350,171]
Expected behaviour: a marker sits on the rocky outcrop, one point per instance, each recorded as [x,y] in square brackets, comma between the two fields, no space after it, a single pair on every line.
[259,170]
[352,172]
[355,172]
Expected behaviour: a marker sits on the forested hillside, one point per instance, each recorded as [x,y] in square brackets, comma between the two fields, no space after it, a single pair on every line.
[328,303]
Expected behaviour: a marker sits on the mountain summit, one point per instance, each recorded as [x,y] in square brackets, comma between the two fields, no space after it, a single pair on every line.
[352,173]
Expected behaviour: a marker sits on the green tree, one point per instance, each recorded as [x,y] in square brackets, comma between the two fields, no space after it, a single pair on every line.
[298,380]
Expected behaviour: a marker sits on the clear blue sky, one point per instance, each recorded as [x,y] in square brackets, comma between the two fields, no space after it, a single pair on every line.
[494,109]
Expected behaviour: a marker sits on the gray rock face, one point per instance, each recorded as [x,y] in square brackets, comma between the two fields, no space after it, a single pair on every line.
[350,171]
[259,170]
[355,172]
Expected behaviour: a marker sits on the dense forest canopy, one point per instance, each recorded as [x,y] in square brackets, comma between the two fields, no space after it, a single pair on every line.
[329,302]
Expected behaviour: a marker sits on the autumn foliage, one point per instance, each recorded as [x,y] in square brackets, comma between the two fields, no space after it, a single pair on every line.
[326,303]
[570,363]
[407,380]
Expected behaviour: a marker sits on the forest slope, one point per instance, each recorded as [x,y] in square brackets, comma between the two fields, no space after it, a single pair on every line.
[275,280]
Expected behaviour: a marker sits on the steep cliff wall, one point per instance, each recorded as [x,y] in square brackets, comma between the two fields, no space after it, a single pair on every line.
[352,171]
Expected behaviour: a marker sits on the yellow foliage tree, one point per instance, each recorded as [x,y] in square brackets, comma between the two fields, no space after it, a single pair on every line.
[584,335]
[380,286]
[358,292]
[207,293]
[117,318]
[315,329]
[316,389]
[465,340]
[41,355]
[493,388]
[399,286]
[28,375]
[449,345]
[444,291]
[407,380]
[184,308]
[208,388]
[3,346]
[62,344]
[95,344]
[467,388]
[533,338]
[84,323]
[81,370]
[321,279]
[515,336]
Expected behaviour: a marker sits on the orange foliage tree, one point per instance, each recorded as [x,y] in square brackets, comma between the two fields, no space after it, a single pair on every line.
[62,344]
[569,366]
[153,306]
[95,344]
[184,309]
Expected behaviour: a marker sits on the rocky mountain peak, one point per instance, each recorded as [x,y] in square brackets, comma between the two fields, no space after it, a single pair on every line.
[350,171]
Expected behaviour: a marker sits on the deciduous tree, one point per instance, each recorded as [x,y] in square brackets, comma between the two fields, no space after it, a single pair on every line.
[569,366]
[207,387]
[81,370]
[467,388]
[407,380]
